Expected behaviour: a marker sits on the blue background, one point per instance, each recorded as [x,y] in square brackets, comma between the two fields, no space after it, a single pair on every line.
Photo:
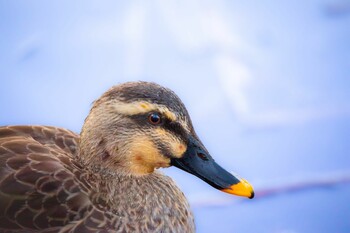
[267,84]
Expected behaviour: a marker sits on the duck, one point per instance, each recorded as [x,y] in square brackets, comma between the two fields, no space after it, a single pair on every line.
[107,178]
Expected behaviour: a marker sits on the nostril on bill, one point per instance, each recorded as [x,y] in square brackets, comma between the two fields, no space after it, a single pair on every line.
[202,156]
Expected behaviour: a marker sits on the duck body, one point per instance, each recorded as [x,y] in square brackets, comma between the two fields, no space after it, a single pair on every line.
[105,179]
[44,188]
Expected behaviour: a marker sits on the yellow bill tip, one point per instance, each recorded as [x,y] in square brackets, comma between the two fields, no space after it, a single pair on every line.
[243,188]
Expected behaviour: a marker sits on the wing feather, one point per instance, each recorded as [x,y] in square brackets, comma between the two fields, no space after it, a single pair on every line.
[39,188]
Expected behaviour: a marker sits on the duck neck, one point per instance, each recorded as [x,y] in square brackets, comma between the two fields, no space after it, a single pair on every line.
[153,199]
[118,190]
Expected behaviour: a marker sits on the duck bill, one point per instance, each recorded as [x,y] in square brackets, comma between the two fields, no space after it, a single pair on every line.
[197,161]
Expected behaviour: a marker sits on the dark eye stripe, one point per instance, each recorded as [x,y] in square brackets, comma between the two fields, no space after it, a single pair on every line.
[171,126]
[177,129]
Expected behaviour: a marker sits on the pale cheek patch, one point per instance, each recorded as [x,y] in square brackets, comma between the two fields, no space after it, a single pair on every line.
[145,157]
[177,148]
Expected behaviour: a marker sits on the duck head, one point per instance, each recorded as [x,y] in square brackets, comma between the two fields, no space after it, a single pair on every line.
[137,127]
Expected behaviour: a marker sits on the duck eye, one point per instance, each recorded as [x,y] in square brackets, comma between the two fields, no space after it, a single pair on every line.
[154,118]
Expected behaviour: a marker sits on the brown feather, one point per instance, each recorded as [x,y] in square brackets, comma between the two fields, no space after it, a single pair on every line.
[44,189]
[103,180]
